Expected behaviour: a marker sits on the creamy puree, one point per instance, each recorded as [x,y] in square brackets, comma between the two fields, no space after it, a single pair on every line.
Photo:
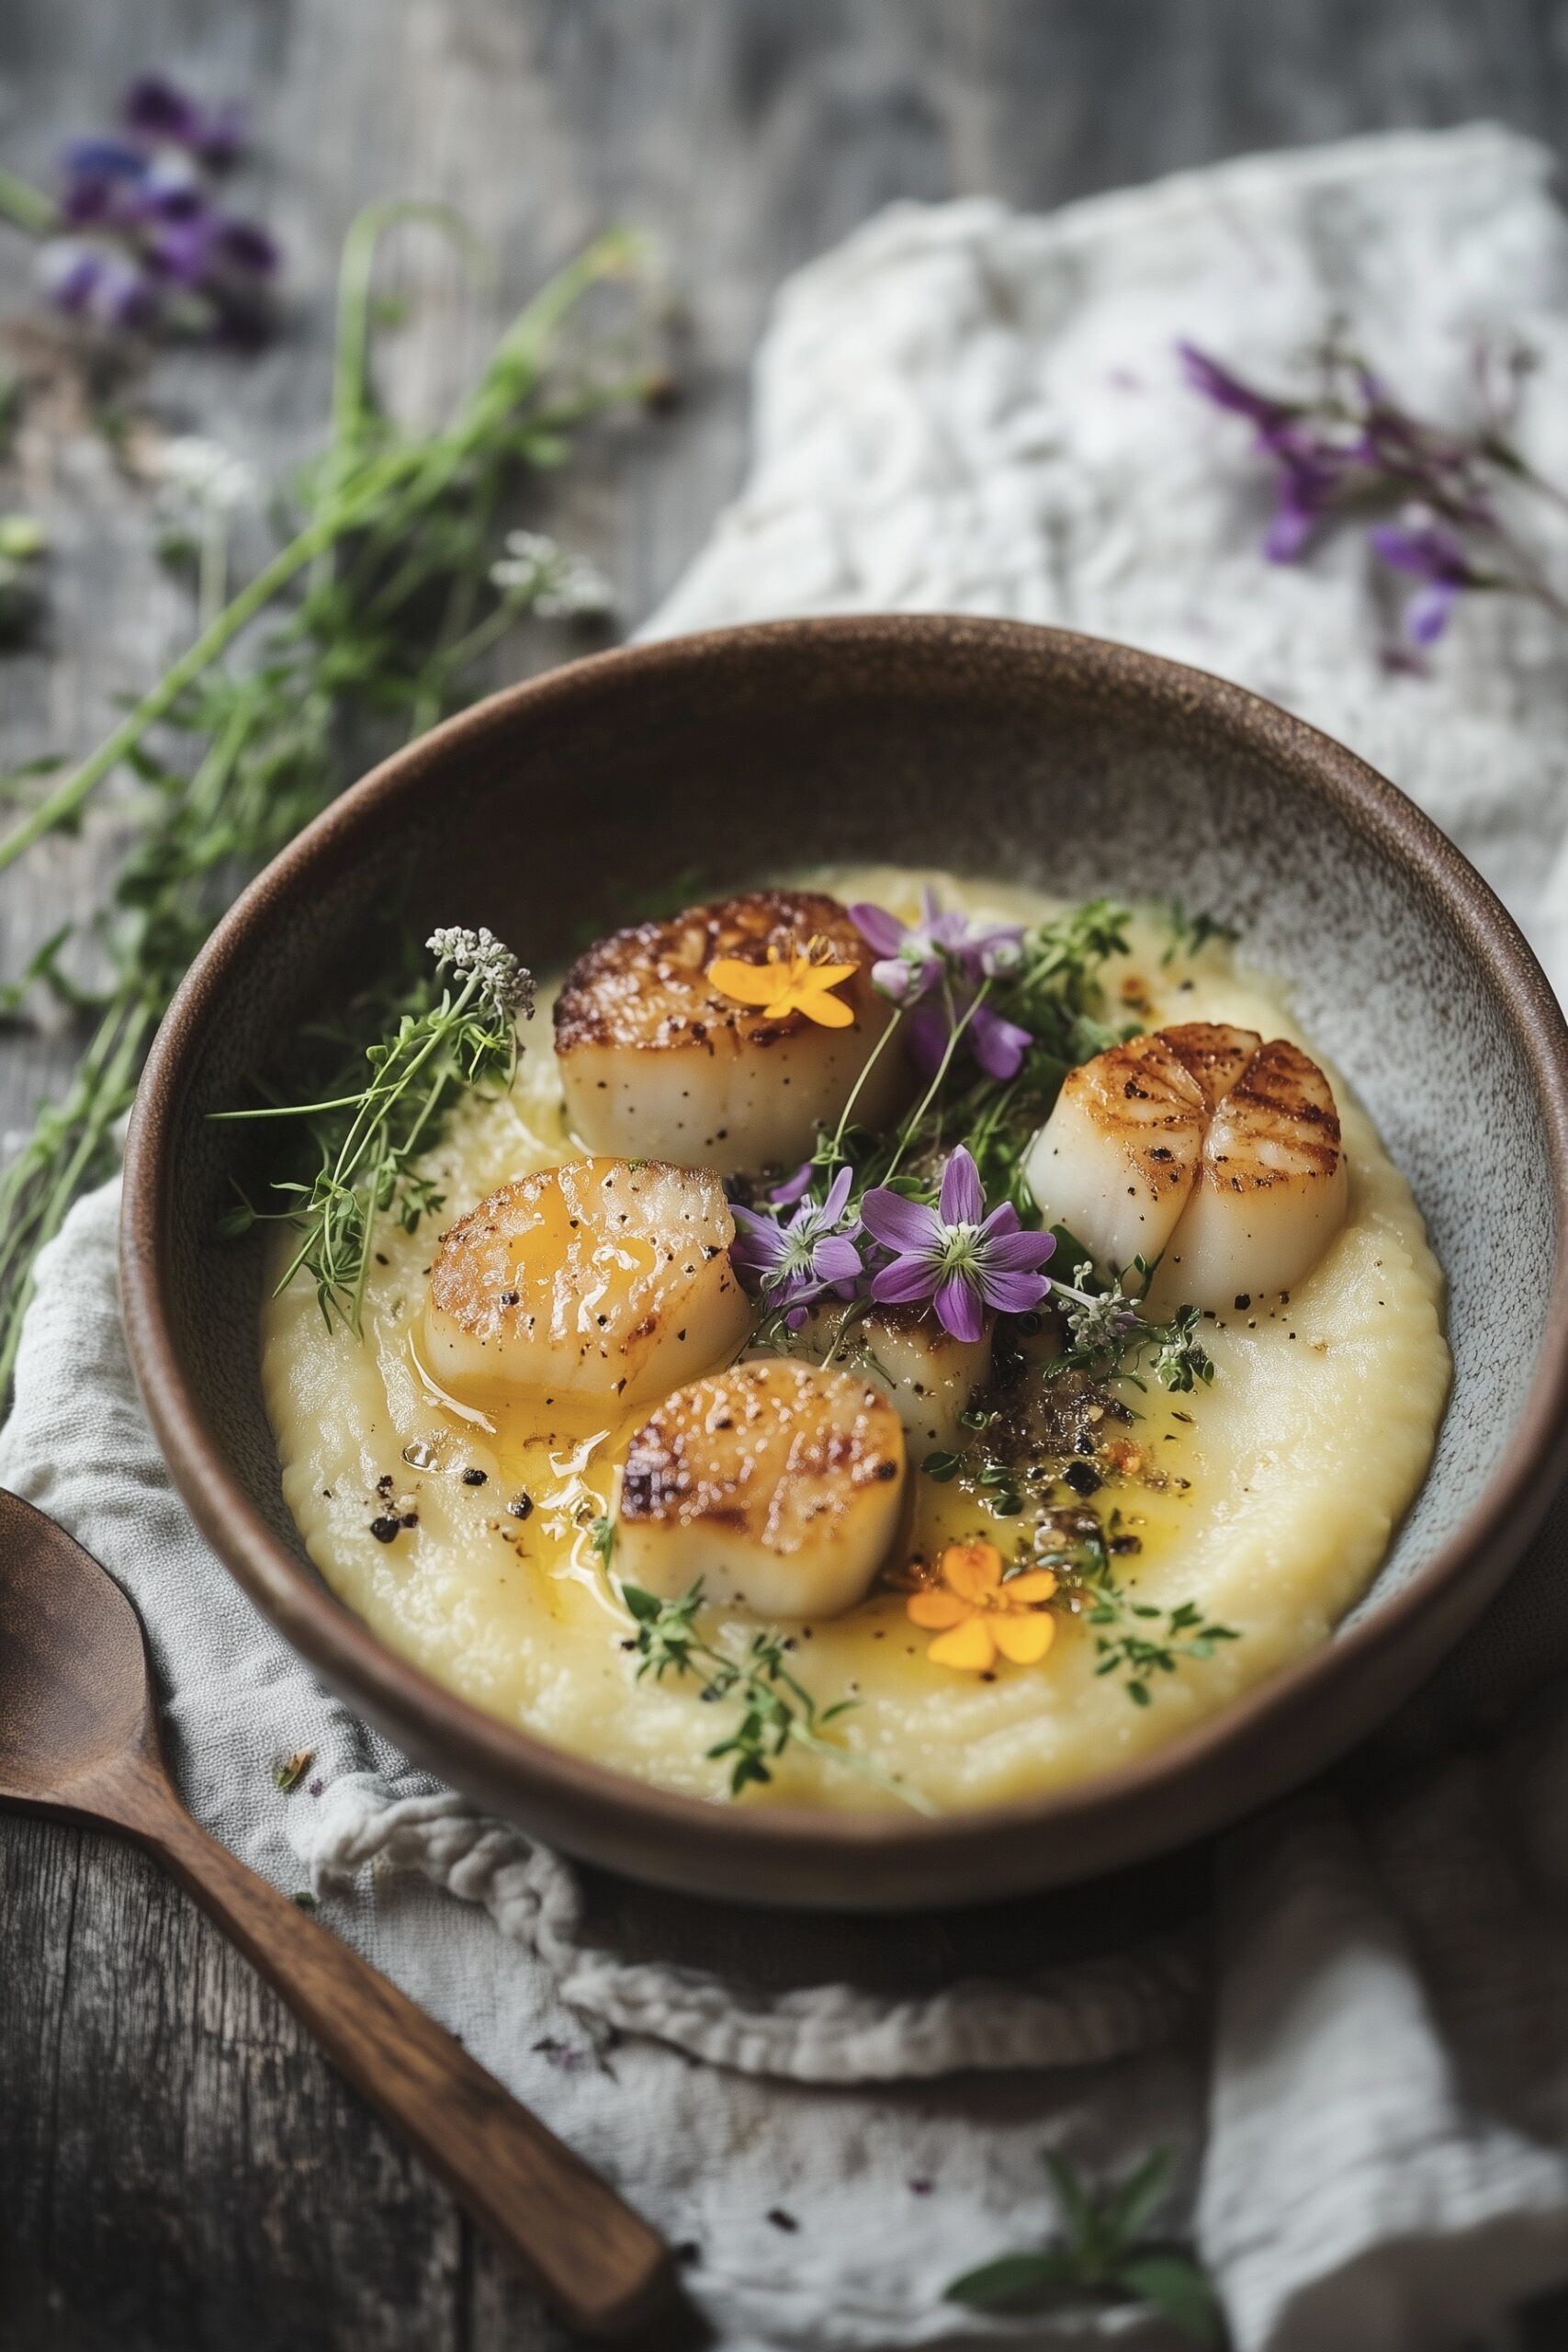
[1281,1482]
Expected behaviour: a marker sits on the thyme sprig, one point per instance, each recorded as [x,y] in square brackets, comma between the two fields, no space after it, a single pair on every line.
[1111,1337]
[371,1138]
[373,614]
[777,1711]
[1135,1648]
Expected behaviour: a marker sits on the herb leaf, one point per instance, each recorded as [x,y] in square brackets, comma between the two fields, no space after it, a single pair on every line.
[370,1139]
[776,1710]
[1189,935]
[1102,2257]
[1177,2288]
[1014,2281]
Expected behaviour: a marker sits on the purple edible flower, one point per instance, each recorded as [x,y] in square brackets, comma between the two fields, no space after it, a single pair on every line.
[954,1255]
[1312,463]
[998,1045]
[1354,435]
[794,1263]
[1227,390]
[1425,548]
[86,280]
[912,955]
[794,1188]
[154,247]
[915,959]
[160,111]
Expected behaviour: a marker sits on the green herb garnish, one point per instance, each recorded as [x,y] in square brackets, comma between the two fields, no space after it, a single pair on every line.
[1111,1336]
[1104,2255]
[370,1139]
[1141,1654]
[602,1539]
[777,1711]
[1189,935]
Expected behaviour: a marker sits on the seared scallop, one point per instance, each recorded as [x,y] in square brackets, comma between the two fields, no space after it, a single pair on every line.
[1115,1160]
[779,1485]
[1270,1192]
[929,1376]
[1201,1146]
[656,1059]
[604,1282]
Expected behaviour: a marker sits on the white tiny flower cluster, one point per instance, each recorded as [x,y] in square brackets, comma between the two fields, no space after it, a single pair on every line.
[1096,1323]
[198,473]
[507,984]
[558,585]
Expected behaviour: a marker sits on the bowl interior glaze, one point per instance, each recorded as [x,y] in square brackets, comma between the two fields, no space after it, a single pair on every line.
[992,748]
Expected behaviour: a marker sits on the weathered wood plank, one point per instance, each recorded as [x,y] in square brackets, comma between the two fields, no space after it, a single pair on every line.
[177,2167]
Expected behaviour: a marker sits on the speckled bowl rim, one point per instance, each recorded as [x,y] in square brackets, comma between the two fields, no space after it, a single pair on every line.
[1267,1740]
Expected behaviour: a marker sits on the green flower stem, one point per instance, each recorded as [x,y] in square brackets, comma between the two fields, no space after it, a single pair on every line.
[419,471]
[60,805]
[213,576]
[352,411]
[104,1086]
[911,1125]
[870,1065]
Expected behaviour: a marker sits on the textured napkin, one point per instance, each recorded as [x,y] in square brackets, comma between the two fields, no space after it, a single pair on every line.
[1362,2058]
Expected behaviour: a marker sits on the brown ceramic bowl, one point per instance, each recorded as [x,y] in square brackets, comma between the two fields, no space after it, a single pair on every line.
[992,748]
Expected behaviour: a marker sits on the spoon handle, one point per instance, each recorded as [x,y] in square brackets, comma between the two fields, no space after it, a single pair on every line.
[599,2263]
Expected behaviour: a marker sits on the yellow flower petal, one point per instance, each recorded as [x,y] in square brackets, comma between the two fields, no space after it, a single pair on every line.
[750,983]
[1025,1636]
[786,984]
[968,1646]
[829,1012]
[1035,1584]
[972,1570]
[937,1611]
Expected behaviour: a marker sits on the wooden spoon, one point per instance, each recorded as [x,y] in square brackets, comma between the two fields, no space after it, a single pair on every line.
[79,1738]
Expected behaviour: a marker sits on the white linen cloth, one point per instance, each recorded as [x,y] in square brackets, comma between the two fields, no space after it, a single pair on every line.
[963,409]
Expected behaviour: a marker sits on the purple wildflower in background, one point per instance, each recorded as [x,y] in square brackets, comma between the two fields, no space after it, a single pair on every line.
[935,968]
[156,110]
[1227,390]
[1430,552]
[955,1256]
[1353,435]
[1313,462]
[794,1263]
[140,242]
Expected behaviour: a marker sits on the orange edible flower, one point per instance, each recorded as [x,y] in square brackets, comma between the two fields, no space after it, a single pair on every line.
[975,1613]
[794,980]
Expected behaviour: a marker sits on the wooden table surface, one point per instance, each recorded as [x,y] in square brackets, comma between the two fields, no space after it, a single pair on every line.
[178,2168]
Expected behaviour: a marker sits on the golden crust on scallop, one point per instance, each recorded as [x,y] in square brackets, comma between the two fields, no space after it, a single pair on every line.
[1279,1121]
[1142,1097]
[761,1445]
[1213,1053]
[778,1485]
[649,985]
[598,1280]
